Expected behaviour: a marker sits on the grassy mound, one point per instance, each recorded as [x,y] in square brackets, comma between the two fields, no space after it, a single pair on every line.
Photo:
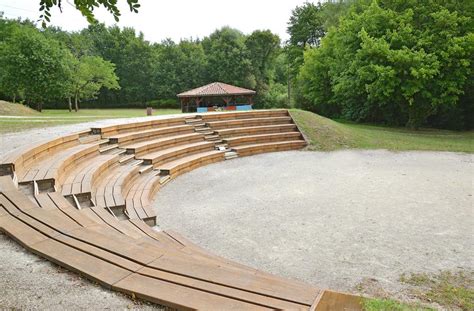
[325,135]
[11,109]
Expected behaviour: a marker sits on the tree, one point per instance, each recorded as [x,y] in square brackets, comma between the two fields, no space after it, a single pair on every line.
[262,48]
[226,57]
[33,65]
[393,61]
[90,74]
[178,67]
[86,7]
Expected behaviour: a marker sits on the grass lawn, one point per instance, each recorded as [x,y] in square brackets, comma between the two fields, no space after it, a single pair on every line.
[29,118]
[325,134]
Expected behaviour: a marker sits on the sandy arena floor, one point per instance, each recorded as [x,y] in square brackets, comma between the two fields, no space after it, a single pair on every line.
[332,219]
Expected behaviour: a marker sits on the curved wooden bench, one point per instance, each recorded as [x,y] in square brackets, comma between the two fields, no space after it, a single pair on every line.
[246,150]
[53,167]
[255,130]
[82,179]
[215,125]
[159,157]
[138,198]
[21,159]
[262,138]
[243,115]
[109,191]
[186,164]
[149,134]
[162,143]
[107,131]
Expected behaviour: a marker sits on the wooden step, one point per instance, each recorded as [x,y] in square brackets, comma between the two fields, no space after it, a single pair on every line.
[108,148]
[231,155]
[126,158]
[165,179]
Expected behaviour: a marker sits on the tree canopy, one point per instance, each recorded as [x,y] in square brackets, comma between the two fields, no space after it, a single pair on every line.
[395,62]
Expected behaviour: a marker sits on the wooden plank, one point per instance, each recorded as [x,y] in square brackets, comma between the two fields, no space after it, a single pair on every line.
[176,296]
[71,211]
[217,274]
[233,294]
[90,266]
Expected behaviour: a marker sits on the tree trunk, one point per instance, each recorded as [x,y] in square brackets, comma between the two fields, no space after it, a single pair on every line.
[70,103]
[39,106]
[76,103]
[14,98]
[413,118]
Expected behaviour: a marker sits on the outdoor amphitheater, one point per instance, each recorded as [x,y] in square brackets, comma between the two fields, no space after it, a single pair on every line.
[83,201]
[87,202]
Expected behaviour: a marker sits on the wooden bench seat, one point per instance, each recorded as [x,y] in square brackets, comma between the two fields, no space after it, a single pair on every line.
[246,150]
[162,143]
[107,131]
[262,138]
[53,167]
[215,125]
[21,159]
[138,198]
[255,130]
[243,115]
[109,191]
[82,179]
[158,157]
[150,134]
[186,164]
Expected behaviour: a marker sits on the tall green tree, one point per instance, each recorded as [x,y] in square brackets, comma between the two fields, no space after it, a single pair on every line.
[33,65]
[262,48]
[89,75]
[133,58]
[227,59]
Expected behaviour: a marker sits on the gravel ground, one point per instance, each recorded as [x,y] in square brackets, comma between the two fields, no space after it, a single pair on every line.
[346,220]
[334,219]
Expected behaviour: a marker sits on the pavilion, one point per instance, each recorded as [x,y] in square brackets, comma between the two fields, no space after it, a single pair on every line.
[217,94]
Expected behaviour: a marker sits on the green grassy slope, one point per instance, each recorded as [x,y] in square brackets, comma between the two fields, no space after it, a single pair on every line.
[11,109]
[325,134]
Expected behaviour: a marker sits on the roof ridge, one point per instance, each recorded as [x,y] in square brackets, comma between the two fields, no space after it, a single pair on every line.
[219,84]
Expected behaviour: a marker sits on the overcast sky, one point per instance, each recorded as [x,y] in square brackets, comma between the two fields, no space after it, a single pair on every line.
[175,19]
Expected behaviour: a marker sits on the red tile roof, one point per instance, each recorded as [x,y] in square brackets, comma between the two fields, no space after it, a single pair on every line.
[216,89]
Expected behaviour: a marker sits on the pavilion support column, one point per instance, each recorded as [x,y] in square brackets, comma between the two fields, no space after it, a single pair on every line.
[198,101]
[227,100]
[250,100]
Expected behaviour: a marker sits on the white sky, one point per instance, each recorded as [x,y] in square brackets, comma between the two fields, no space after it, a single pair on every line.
[175,19]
